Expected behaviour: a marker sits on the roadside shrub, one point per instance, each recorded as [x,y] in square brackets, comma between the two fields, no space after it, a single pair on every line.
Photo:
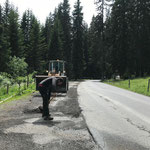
[17,67]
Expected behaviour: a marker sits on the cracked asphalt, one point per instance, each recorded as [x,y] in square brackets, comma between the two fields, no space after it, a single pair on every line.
[22,127]
[118,119]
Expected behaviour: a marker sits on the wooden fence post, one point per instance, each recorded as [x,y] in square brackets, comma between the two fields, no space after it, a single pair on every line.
[148,85]
[27,81]
[7,88]
[129,83]
[19,88]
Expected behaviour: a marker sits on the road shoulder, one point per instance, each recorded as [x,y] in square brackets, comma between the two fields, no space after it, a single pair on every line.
[21,121]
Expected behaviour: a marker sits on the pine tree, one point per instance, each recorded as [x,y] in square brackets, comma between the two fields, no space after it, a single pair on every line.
[102,5]
[1,19]
[6,12]
[108,47]
[43,51]
[47,30]
[26,29]
[77,40]
[140,35]
[34,42]
[95,61]
[56,42]
[130,37]
[120,37]
[35,51]
[4,38]
[67,43]
[15,37]
[86,54]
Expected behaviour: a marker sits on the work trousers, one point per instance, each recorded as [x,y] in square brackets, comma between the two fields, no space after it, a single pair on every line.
[46,96]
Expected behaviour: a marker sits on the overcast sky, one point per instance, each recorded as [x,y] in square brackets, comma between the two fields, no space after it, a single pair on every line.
[42,8]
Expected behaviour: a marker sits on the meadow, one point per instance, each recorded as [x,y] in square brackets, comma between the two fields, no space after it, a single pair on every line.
[138,85]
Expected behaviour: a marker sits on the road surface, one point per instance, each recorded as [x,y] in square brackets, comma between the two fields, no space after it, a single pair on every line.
[118,119]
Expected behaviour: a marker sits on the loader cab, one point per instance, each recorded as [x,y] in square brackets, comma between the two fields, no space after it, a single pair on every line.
[56,68]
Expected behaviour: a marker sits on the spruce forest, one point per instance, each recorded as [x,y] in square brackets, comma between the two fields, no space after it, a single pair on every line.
[117,42]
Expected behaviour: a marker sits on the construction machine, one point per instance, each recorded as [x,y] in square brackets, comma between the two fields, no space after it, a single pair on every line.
[57,71]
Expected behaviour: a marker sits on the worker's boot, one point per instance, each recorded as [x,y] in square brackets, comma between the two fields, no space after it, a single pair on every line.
[48,118]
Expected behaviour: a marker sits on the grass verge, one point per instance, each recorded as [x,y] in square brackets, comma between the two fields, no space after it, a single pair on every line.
[139,85]
[15,96]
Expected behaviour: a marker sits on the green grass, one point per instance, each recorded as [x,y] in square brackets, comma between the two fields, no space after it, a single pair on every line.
[138,85]
[14,92]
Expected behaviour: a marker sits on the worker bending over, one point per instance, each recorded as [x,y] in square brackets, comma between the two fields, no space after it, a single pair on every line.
[45,88]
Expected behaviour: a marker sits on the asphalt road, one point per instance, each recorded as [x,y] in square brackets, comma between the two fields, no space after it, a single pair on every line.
[118,119]
[22,127]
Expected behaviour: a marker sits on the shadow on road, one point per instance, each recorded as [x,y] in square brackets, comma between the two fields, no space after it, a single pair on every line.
[48,123]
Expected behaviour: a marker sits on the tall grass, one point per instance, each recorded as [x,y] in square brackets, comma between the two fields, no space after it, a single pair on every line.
[138,85]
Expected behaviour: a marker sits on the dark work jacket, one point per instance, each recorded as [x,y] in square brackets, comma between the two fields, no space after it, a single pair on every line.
[46,85]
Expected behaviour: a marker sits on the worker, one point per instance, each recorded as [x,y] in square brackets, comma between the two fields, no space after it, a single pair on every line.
[45,88]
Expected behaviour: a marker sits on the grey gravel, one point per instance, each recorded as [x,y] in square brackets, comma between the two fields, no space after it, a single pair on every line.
[22,127]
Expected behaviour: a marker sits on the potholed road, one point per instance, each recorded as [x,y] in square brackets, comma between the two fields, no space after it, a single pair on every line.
[118,119]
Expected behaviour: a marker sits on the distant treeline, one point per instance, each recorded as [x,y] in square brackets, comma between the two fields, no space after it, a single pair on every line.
[117,45]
